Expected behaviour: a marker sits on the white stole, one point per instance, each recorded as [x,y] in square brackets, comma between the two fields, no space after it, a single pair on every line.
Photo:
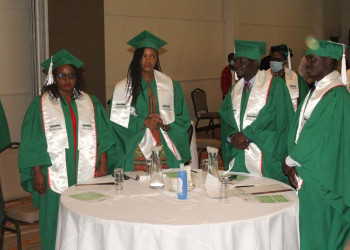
[322,87]
[57,140]
[257,100]
[121,110]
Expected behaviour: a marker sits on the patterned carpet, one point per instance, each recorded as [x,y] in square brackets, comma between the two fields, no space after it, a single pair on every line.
[29,235]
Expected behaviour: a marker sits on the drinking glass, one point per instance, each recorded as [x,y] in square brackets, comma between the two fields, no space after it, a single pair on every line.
[118,178]
[205,169]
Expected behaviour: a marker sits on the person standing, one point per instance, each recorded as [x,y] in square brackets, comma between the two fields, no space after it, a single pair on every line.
[228,76]
[318,147]
[255,116]
[148,109]
[280,67]
[65,136]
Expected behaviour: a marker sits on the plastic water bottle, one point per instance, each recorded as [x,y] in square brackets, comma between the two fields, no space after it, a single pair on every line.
[182,183]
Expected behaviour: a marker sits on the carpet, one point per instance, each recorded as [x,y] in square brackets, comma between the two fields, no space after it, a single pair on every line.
[29,236]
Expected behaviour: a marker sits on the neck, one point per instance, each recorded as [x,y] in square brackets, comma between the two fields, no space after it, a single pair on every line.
[66,96]
[147,76]
[278,74]
[250,75]
[324,74]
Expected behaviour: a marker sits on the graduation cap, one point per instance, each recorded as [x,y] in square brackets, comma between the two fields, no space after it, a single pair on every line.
[62,57]
[331,49]
[282,48]
[147,40]
[250,49]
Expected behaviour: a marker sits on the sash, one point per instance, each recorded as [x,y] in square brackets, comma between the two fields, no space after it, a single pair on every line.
[291,79]
[257,100]
[121,110]
[330,81]
[57,140]
[293,86]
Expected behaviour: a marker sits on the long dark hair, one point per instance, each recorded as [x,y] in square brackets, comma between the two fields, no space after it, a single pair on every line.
[79,85]
[134,74]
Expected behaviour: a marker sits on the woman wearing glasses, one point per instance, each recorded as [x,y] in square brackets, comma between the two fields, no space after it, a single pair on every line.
[65,136]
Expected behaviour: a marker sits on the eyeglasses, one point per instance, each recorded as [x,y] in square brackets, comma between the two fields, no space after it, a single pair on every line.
[64,76]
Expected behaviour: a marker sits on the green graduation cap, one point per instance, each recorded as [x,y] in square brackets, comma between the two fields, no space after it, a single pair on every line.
[62,57]
[147,40]
[282,48]
[250,49]
[323,48]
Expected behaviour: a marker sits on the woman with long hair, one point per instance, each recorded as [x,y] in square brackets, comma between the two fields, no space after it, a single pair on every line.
[148,109]
[65,136]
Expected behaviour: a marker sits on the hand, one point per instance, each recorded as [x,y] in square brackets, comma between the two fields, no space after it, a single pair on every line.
[39,181]
[291,172]
[102,167]
[153,122]
[239,141]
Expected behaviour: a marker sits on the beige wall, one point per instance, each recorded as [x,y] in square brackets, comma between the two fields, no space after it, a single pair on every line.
[15,64]
[193,29]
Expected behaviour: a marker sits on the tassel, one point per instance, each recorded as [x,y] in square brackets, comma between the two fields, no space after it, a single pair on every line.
[289,62]
[343,67]
[49,78]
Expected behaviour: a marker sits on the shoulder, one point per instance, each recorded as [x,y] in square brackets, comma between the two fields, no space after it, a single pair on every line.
[339,91]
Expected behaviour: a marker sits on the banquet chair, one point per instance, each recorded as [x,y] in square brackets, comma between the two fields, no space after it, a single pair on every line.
[199,99]
[21,211]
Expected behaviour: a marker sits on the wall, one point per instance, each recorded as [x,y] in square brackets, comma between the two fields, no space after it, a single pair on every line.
[279,21]
[194,32]
[15,67]
[78,26]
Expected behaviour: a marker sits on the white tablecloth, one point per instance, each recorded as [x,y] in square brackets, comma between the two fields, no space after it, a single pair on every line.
[141,218]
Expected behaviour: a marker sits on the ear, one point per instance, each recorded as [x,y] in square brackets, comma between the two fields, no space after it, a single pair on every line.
[329,60]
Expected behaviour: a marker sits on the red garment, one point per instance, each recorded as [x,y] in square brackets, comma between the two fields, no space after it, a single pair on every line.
[74,124]
[226,80]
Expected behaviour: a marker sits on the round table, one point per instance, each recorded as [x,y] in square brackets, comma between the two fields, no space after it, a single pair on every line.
[141,218]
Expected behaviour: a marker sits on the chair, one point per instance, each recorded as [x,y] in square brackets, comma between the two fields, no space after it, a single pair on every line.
[11,190]
[199,100]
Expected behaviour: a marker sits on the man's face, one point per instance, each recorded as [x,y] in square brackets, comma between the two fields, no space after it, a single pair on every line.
[316,66]
[245,67]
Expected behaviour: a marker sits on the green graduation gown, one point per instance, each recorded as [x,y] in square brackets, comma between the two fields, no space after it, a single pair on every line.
[33,152]
[5,139]
[131,136]
[269,131]
[303,89]
[323,150]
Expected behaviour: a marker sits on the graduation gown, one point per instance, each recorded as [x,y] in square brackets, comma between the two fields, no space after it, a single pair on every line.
[5,139]
[323,151]
[33,152]
[133,134]
[269,131]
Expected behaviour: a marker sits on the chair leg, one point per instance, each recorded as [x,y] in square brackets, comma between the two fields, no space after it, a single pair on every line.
[212,127]
[196,125]
[19,244]
[2,230]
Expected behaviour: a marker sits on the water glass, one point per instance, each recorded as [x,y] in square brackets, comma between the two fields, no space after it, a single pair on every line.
[224,183]
[205,169]
[118,178]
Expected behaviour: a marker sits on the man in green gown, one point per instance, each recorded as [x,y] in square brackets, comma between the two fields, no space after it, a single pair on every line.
[65,136]
[319,152]
[280,66]
[255,116]
[5,139]
[148,109]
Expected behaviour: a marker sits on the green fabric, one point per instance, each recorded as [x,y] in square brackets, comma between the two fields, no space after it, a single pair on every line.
[33,152]
[249,49]
[133,135]
[5,139]
[323,48]
[268,131]
[323,151]
[62,57]
[147,40]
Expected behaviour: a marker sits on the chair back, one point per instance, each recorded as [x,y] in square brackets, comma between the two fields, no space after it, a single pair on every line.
[199,99]
[9,176]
